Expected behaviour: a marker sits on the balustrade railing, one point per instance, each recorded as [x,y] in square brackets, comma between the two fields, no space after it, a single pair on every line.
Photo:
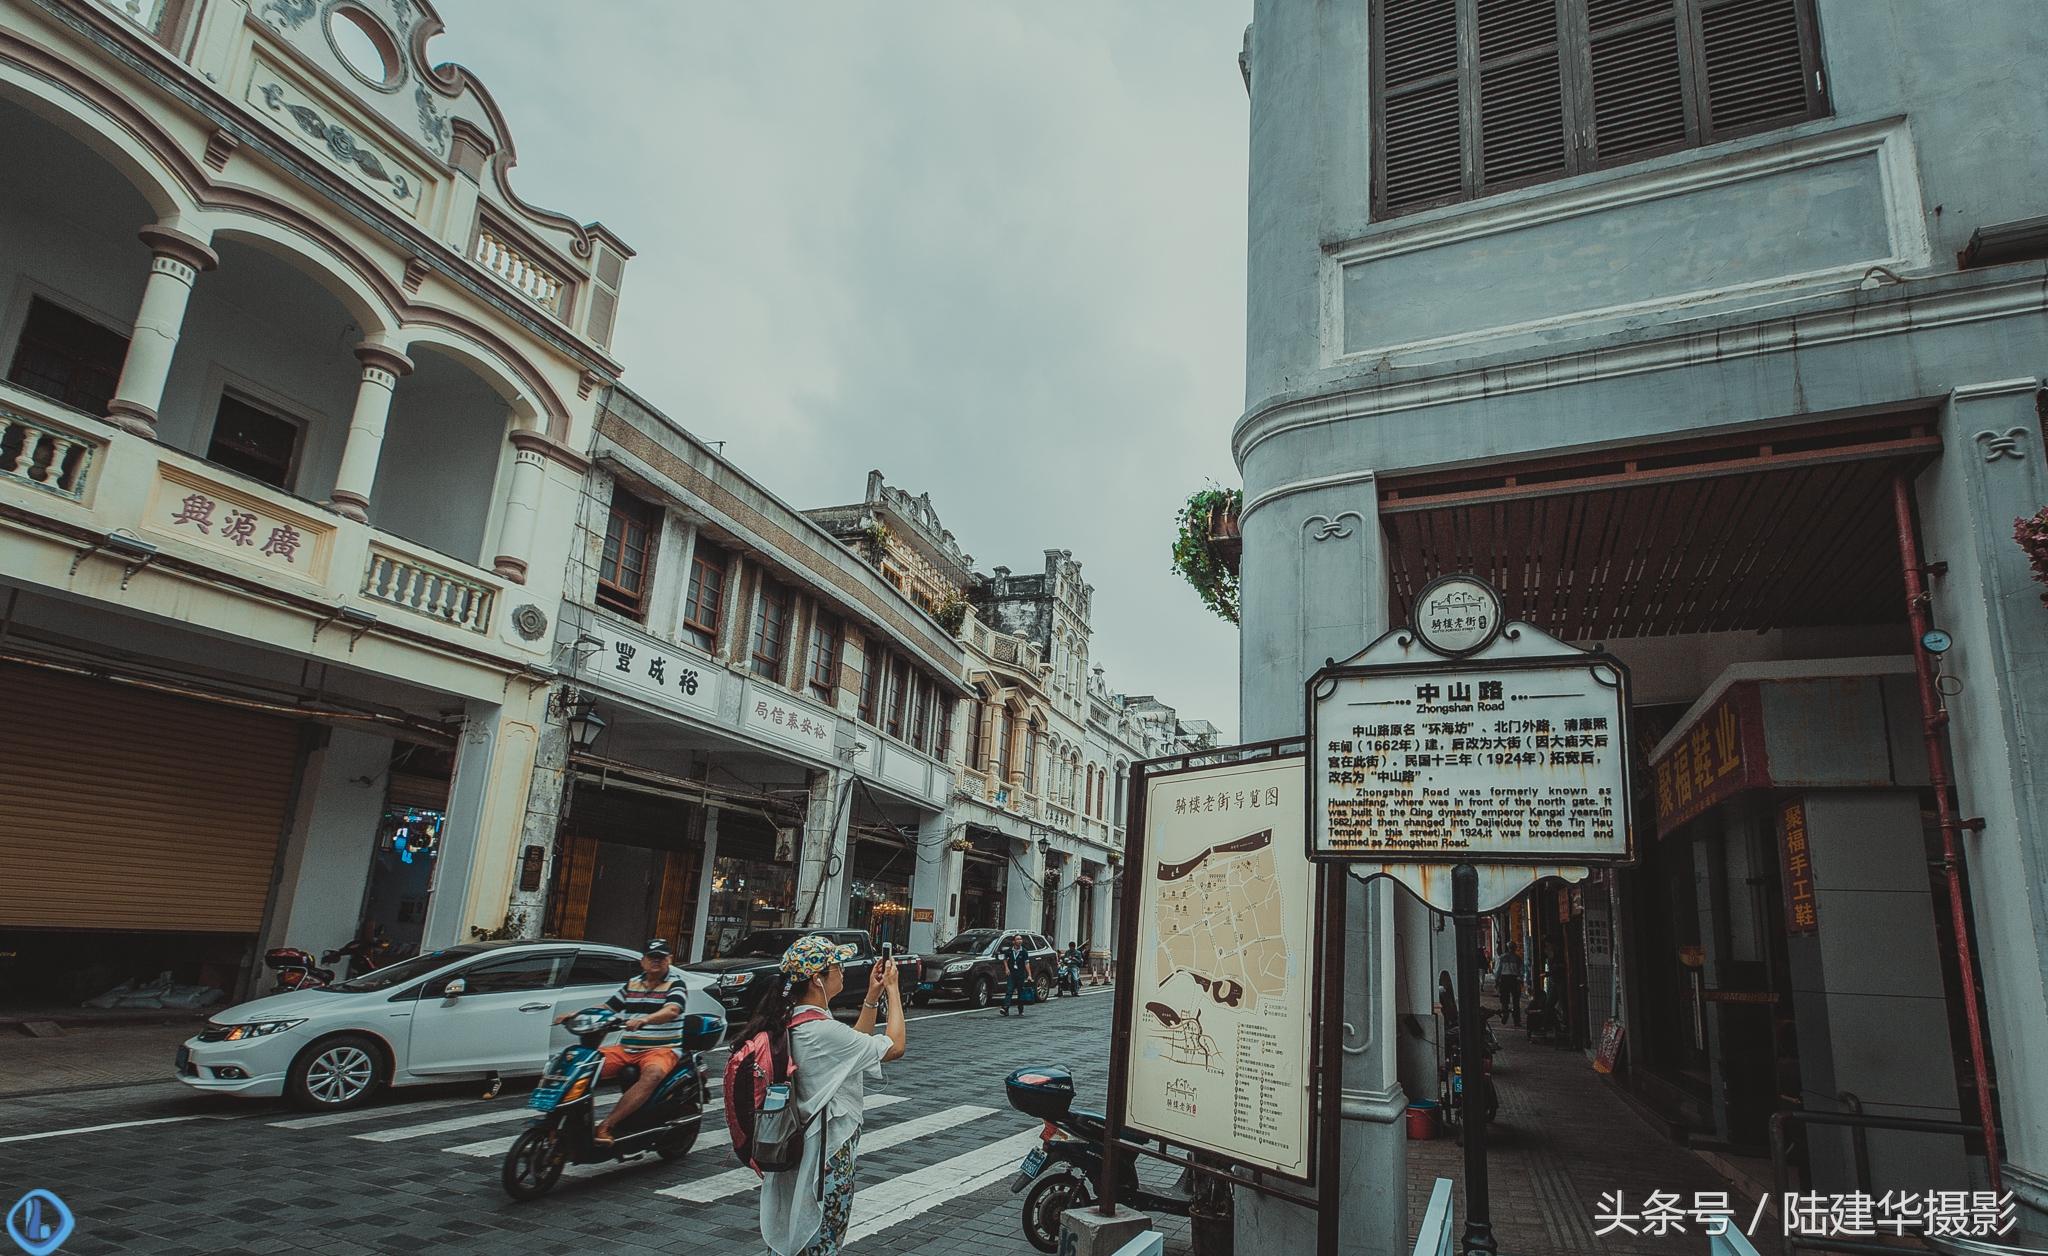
[44,456]
[534,282]
[426,589]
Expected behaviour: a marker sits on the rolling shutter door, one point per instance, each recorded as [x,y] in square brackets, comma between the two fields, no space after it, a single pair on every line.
[124,809]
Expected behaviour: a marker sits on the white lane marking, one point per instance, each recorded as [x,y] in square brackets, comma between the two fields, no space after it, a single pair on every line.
[900,1198]
[117,1125]
[718,1186]
[365,1114]
[712,1133]
[510,1112]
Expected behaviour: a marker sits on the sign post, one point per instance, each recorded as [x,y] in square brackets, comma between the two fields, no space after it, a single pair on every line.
[1488,746]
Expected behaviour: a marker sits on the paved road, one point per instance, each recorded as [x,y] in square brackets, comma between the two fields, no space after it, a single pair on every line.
[158,1169]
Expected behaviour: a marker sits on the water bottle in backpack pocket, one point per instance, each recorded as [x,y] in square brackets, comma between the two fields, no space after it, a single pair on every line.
[760,1100]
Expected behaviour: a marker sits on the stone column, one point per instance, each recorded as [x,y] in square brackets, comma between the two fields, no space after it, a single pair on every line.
[175,262]
[474,873]
[1994,470]
[1102,928]
[821,871]
[383,367]
[1023,903]
[934,882]
[1315,588]
[522,505]
[703,920]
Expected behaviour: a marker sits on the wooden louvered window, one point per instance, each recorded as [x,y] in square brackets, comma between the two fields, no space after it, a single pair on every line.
[1472,97]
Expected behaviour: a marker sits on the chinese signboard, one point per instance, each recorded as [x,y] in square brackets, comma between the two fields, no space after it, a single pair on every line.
[1223,977]
[770,712]
[652,670]
[1802,908]
[242,525]
[1711,760]
[1519,760]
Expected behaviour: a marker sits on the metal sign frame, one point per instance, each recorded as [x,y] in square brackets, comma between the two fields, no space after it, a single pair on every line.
[1321,997]
[1472,665]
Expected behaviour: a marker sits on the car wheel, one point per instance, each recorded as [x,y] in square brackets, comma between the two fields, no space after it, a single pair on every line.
[1044,984]
[681,1140]
[1044,1203]
[534,1163]
[335,1073]
[984,992]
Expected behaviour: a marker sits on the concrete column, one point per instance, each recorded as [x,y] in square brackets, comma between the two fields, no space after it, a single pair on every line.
[1102,928]
[327,855]
[475,872]
[522,505]
[1023,901]
[822,869]
[383,367]
[175,262]
[935,882]
[1995,470]
[541,826]
[703,917]
[1068,912]
[1314,587]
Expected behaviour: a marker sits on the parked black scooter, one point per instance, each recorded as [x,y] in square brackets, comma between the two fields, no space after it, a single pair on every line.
[1063,1172]
[566,1098]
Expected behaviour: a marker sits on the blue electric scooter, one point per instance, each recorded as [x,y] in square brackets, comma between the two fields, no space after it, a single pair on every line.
[566,1100]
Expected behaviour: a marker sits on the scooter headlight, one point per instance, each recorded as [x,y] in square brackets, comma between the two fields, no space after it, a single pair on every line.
[259,1029]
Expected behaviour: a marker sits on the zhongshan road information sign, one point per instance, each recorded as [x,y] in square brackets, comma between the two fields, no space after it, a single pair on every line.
[1515,763]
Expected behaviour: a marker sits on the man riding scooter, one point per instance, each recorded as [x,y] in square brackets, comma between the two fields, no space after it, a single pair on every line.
[653,1005]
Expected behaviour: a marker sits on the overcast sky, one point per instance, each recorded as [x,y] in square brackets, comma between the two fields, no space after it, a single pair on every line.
[993,247]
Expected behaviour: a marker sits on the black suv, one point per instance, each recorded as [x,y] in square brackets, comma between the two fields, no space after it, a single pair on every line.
[738,980]
[969,968]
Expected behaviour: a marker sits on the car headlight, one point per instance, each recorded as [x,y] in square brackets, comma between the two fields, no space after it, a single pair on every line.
[733,981]
[259,1029]
[960,967]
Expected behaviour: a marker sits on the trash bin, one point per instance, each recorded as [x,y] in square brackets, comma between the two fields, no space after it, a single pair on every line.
[1423,1122]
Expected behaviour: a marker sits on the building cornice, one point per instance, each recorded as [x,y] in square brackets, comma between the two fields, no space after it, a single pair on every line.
[1833,318]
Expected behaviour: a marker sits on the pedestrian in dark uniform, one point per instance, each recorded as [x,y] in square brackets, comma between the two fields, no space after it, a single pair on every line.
[1016,959]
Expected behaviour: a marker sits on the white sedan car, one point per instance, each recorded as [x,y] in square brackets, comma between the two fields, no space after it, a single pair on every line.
[464,1012]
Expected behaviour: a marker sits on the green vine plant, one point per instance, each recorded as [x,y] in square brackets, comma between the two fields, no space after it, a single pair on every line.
[1195,553]
[951,613]
[874,540]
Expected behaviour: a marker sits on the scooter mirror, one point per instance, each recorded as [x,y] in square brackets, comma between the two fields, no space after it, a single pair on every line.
[454,988]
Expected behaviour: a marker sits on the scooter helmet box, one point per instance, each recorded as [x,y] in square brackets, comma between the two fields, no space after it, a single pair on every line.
[1046,1093]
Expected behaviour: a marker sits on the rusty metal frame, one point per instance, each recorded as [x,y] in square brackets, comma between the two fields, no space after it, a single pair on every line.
[1323,1090]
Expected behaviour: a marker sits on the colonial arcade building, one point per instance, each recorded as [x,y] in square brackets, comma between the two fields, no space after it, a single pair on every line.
[774,716]
[295,395]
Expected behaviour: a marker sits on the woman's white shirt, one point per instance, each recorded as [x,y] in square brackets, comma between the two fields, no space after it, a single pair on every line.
[833,1062]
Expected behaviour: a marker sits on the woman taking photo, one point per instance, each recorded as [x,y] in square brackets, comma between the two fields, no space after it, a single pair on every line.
[805,1212]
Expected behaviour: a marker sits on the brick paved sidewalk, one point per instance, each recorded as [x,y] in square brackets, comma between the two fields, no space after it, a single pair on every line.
[84,1056]
[1564,1138]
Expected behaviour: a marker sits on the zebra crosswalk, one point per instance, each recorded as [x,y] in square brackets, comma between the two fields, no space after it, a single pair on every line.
[910,1150]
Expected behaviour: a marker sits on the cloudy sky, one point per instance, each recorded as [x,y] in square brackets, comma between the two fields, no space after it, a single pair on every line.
[992,247]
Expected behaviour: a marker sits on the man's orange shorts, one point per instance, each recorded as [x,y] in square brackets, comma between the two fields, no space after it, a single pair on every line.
[660,1060]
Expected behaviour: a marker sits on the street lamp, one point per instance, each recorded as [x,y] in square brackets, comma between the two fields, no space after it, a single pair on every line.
[585,725]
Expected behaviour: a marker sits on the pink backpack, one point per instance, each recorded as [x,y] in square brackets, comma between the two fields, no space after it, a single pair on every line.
[756,1066]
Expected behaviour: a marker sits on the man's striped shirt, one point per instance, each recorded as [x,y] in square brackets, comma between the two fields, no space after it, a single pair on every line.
[637,998]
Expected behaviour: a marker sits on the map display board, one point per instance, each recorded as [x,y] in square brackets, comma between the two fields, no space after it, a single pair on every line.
[1486,760]
[1220,1047]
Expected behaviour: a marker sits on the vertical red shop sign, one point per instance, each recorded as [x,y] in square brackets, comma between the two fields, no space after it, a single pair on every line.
[1802,907]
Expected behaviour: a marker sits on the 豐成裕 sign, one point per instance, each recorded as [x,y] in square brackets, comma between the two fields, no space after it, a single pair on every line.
[1508,756]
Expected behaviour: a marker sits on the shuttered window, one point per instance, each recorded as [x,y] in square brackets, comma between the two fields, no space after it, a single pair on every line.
[1472,97]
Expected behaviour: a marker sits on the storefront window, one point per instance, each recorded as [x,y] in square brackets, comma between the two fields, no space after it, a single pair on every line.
[746,894]
[882,907]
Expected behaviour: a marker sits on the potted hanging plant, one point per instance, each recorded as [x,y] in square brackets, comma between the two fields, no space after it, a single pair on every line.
[1206,546]
[2032,534]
